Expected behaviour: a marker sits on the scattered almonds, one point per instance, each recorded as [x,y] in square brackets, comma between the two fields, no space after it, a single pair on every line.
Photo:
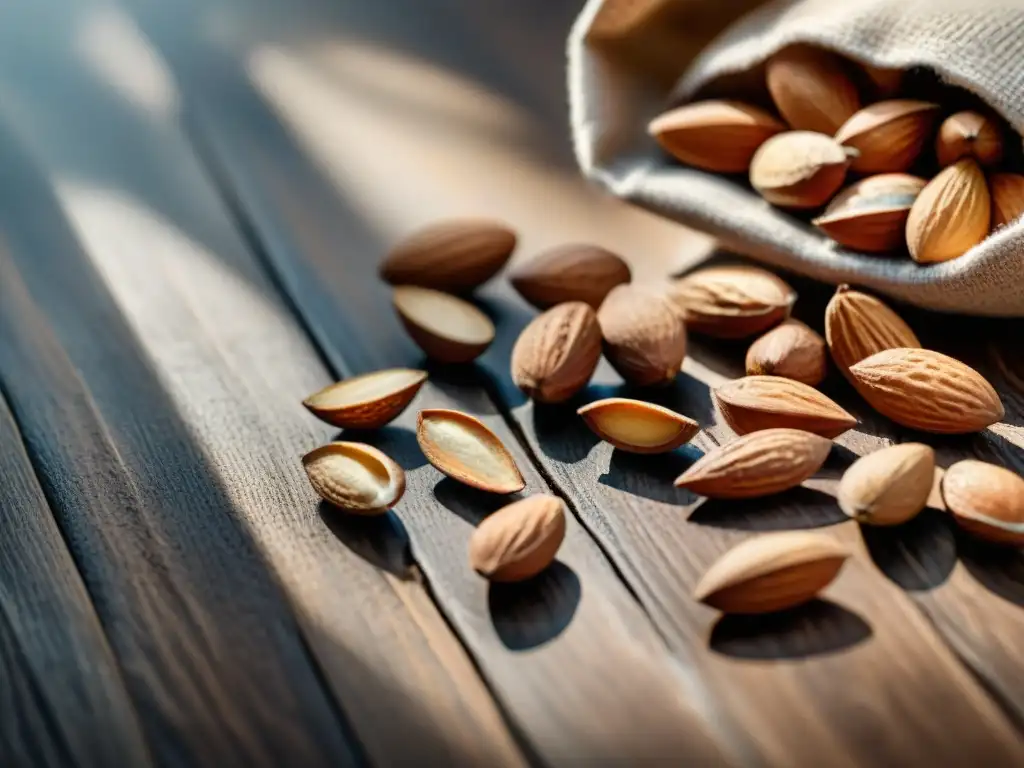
[638,427]
[986,500]
[799,169]
[462,447]
[756,403]
[890,486]
[445,327]
[1007,191]
[888,136]
[858,325]
[574,272]
[969,134]
[732,302]
[791,350]
[518,541]
[871,214]
[644,337]
[556,354]
[366,402]
[355,477]
[811,89]
[951,215]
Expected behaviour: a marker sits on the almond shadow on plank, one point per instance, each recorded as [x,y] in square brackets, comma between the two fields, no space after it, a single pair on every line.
[998,569]
[561,433]
[471,504]
[918,555]
[651,475]
[798,508]
[529,613]
[380,540]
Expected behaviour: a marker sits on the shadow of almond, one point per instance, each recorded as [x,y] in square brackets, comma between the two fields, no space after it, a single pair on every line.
[918,555]
[561,433]
[651,476]
[380,540]
[998,569]
[794,509]
[470,504]
[529,613]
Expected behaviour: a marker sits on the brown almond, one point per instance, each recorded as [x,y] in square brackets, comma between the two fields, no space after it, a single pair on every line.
[772,572]
[759,464]
[1007,192]
[927,390]
[452,256]
[969,134]
[888,136]
[576,272]
[871,214]
[885,82]
[811,89]
[445,327]
[366,402]
[986,500]
[462,447]
[951,215]
[719,136]
[355,477]
[799,169]
[556,354]
[644,337]
[638,427]
[765,402]
[791,350]
[520,540]
[857,325]
[890,486]
[732,302]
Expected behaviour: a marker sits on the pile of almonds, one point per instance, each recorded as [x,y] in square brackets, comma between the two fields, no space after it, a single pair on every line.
[827,134]
[785,426]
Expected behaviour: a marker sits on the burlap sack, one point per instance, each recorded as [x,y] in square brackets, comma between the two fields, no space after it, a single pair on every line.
[630,59]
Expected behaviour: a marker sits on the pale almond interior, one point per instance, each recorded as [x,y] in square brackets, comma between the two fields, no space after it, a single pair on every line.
[636,426]
[365,478]
[443,315]
[366,389]
[461,446]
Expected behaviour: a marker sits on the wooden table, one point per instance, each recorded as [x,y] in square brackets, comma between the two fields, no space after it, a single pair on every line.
[193,200]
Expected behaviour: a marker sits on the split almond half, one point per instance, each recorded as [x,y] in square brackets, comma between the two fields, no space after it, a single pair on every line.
[986,500]
[355,477]
[638,427]
[366,402]
[463,448]
[518,541]
[762,402]
[445,327]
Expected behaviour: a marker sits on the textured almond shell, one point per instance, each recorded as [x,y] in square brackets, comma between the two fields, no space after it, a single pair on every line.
[764,402]
[772,572]
[463,448]
[951,215]
[556,354]
[871,215]
[732,302]
[355,477]
[986,500]
[969,134]
[759,464]
[1007,193]
[811,89]
[858,325]
[890,486]
[445,327]
[888,135]
[926,390]
[518,541]
[454,256]
[798,169]
[791,350]
[644,337]
[575,272]
[719,136]
[638,427]
[366,402]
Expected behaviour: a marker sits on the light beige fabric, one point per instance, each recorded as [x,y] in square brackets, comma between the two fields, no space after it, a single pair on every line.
[624,69]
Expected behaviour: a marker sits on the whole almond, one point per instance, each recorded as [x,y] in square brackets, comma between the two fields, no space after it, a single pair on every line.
[366,402]
[811,89]
[888,136]
[951,215]
[890,486]
[453,256]
[638,427]
[556,354]
[927,390]
[885,82]
[518,541]
[871,214]
[462,447]
[576,272]
[986,500]
[969,134]
[759,464]
[791,350]
[764,402]
[799,169]
[732,302]
[772,572]
[355,477]
[719,136]
[644,337]
[1007,192]
[857,325]
[445,327]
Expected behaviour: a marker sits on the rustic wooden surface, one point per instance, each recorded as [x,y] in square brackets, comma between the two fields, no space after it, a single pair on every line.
[193,202]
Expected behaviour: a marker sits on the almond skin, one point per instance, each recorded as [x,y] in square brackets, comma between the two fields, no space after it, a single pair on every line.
[355,477]
[951,215]
[890,486]
[791,350]
[799,169]
[575,272]
[986,501]
[764,402]
[927,390]
[445,327]
[857,325]
[732,302]
[885,83]
[366,402]
[452,256]
[644,337]
[811,89]
[759,464]
[518,541]
[772,572]
[871,215]
[638,427]
[888,136]
[969,134]
[462,447]
[556,354]
[1007,192]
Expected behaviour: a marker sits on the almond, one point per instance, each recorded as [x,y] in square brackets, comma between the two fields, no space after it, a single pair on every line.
[791,350]
[871,215]
[575,272]
[452,256]
[719,136]
[772,572]
[885,82]
[556,354]
[927,390]
[986,500]
[798,169]
[811,89]
[951,215]
[638,427]
[759,464]
[445,327]
[644,337]
[366,402]
[969,134]
[890,486]
[518,541]
[355,477]
[732,302]
[764,402]
[888,136]
[462,447]
[1007,192]
[858,325]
